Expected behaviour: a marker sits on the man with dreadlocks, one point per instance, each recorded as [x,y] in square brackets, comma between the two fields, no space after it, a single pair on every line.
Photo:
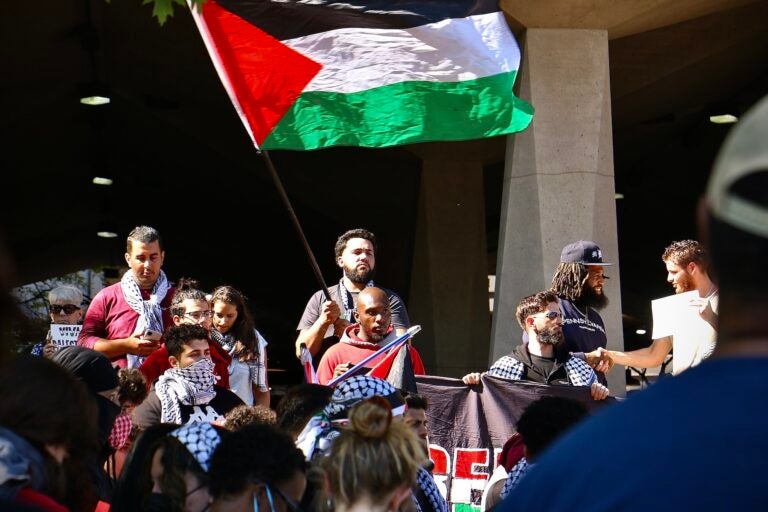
[578,282]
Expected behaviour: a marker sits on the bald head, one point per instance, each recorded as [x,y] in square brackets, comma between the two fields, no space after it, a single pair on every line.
[373,314]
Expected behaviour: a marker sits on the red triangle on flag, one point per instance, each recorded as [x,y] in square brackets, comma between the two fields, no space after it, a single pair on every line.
[266,76]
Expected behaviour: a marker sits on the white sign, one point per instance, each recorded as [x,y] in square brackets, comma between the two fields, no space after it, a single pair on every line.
[63,335]
[693,339]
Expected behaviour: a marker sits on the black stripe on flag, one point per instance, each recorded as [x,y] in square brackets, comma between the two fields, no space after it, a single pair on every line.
[288,19]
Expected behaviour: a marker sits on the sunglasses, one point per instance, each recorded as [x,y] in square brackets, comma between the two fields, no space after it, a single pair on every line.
[553,314]
[67,308]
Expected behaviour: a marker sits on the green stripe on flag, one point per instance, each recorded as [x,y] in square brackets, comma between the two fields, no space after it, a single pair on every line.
[403,113]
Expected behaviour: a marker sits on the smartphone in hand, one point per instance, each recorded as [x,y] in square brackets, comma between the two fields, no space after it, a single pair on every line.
[151,335]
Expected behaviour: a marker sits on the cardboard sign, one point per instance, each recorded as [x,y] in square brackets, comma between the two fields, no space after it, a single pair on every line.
[64,335]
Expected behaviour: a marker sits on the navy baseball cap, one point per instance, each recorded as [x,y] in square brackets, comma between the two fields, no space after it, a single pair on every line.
[584,252]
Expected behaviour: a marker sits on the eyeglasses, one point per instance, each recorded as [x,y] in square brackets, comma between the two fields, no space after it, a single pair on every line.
[289,503]
[552,314]
[67,308]
[199,315]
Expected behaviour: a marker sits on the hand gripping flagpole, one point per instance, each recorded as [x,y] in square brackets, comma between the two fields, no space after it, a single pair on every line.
[221,70]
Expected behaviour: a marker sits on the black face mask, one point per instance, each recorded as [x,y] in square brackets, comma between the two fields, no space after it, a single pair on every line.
[159,503]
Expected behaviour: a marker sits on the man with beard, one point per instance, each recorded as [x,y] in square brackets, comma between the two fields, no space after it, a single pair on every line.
[324,321]
[687,265]
[696,441]
[372,331]
[537,360]
[124,321]
[578,282]
[186,392]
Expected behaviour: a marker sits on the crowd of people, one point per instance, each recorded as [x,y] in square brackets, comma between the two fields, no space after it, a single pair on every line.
[164,403]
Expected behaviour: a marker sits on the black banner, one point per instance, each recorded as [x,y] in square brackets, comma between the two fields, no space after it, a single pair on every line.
[468,426]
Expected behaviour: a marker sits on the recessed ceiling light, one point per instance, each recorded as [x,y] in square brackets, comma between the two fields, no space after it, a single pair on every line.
[640,331]
[98,180]
[94,100]
[723,119]
[618,196]
[107,234]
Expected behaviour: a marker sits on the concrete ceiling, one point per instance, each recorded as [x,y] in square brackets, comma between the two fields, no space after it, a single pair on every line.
[182,162]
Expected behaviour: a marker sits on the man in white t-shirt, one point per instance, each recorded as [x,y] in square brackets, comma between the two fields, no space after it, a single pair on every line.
[686,322]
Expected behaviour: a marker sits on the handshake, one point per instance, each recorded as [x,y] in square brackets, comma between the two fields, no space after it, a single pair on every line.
[600,360]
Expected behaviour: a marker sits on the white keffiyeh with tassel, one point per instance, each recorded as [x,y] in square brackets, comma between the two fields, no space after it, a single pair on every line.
[149,311]
[192,385]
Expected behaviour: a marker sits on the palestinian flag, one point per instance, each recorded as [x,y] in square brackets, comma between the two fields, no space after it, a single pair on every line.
[309,75]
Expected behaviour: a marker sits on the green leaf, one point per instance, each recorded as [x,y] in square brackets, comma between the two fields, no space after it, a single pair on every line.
[162,9]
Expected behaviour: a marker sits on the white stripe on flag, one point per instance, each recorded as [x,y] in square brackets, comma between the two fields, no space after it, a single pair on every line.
[451,50]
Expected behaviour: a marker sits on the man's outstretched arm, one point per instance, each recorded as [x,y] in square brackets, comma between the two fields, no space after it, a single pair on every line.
[645,357]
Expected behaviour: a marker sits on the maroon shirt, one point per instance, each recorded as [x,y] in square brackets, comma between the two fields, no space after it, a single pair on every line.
[110,317]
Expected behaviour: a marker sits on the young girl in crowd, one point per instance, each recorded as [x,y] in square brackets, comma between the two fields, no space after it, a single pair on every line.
[167,470]
[373,463]
[233,329]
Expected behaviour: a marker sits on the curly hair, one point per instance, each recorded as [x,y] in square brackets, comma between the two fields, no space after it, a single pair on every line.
[683,252]
[546,419]
[131,386]
[569,280]
[179,335]
[186,289]
[244,415]
[341,242]
[533,304]
[255,453]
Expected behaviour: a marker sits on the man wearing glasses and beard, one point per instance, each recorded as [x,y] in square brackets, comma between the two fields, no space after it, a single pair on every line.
[537,360]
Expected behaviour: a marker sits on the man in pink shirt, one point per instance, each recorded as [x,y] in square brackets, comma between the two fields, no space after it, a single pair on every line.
[372,331]
[125,321]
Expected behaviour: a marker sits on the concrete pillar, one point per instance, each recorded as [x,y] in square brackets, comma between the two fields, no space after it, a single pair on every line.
[558,178]
[449,283]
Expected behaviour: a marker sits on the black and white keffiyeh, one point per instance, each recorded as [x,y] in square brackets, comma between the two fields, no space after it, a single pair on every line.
[256,365]
[226,341]
[200,440]
[358,388]
[192,385]
[579,373]
[427,496]
[348,301]
[312,440]
[149,311]
[320,432]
